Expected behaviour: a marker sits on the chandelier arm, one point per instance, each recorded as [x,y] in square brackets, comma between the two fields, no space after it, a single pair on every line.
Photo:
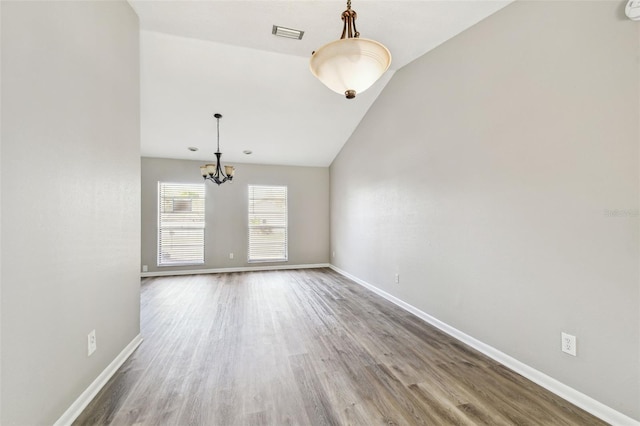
[212,179]
[349,29]
[219,172]
[356,34]
[345,21]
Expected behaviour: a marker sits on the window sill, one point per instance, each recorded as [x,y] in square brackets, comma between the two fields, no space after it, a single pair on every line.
[168,265]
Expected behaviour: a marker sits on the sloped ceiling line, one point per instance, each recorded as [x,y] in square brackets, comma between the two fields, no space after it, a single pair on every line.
[202,57]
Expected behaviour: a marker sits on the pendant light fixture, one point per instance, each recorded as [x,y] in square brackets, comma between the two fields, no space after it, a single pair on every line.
[352,64]
[213,172]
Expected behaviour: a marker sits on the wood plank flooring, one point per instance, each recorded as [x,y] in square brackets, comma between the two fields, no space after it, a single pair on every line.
[306,347]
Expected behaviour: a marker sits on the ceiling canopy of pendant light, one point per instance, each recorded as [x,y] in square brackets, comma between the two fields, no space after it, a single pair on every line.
[351,64]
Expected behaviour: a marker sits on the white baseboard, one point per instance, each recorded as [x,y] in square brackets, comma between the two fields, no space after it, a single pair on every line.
[238,269]
[72,413]
[577,398]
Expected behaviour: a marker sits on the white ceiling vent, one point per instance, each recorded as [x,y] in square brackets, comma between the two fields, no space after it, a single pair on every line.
[287,32]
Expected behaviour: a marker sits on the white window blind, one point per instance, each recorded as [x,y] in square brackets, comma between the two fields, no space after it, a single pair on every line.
[267,223]
[180,223]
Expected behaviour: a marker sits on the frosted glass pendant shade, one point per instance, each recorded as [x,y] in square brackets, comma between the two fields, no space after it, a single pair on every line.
[351,65]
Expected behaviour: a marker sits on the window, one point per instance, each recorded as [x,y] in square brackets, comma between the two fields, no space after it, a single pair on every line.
[267,223]
[180,224]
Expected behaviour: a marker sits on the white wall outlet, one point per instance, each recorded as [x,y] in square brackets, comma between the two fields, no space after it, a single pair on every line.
[333,253]
[569,344]
[397,278]
[145,268]
[92,344]
[230,255]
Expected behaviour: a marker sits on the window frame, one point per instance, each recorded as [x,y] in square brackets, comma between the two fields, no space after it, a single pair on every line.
[199,224]
[285,227]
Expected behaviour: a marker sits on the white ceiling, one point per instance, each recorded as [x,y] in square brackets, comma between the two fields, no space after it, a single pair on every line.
[203,57]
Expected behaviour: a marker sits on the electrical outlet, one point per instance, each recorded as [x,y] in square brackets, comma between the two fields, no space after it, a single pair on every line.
[333,254]
[230,255]
[145,268]
[397,278]
[92,344]
[569,344]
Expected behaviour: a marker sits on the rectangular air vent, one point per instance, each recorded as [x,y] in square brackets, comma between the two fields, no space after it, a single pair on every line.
[287,32]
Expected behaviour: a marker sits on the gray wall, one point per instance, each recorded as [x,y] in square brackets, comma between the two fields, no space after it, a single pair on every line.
[70,173]
[226,212]
[498,175]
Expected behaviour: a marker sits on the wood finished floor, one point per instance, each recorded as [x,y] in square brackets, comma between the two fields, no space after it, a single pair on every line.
[306,347]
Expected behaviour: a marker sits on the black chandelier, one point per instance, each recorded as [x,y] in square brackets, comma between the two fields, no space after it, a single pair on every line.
[213,172]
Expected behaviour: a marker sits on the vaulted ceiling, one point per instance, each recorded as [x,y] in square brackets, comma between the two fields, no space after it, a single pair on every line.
[198,58]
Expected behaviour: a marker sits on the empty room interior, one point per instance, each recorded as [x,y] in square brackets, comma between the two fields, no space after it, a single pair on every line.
[286,212]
